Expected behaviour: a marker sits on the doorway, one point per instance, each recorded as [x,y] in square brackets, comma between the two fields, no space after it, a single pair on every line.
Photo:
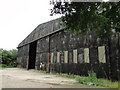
[32,55]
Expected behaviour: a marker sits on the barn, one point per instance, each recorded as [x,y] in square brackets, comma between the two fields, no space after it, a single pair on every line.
[49,47]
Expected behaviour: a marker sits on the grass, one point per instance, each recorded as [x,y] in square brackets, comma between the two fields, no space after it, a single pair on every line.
[89,80]
[5,66]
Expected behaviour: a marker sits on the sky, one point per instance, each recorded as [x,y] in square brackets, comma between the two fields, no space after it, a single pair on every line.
[18,18]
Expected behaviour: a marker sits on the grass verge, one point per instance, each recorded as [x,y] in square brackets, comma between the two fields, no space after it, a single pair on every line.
[91,80]
[5,66]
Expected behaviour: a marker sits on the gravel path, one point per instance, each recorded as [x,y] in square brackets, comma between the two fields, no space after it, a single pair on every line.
[20,78]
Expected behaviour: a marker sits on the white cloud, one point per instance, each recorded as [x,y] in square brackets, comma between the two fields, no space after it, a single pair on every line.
[19,17]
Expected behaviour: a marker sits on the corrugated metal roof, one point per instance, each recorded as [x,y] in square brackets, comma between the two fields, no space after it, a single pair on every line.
[42,30]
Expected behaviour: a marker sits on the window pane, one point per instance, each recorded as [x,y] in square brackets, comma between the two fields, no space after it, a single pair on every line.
[75,56]
[65,56]
[101,52]
[86,55]
[58,57]
[51,57]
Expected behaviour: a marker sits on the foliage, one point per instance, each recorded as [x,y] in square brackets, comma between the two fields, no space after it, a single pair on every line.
[8,57]
[3,65]
[91,80]
[1,50]
[81,17]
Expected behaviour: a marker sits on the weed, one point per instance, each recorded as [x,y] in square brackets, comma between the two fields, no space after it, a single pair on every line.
[91,80]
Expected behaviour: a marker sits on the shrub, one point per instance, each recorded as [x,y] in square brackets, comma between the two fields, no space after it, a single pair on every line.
[8,57]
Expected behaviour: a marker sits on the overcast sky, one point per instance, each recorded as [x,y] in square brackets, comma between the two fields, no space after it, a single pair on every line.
[20,17]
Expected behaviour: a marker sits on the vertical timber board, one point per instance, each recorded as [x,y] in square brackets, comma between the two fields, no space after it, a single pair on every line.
[80,55]
[86,55]
[70,58]
[23,54]
[80,58]
[37,67]
[114,62]
[75,56]
[61,57]
[101,54]
[55,57]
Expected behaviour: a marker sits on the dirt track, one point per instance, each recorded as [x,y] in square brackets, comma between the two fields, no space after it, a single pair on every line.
[20,78]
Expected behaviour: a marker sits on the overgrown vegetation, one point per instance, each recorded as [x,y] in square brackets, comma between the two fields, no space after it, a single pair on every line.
[5,66]
[81,17]
[94,81]
[91,80]
[8,58]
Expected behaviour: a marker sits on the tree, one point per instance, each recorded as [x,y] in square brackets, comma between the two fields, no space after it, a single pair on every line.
[13,54]
[1,50]
[80,17]
[9,57]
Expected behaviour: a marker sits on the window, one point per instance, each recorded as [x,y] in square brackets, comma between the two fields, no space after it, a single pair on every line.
[58,57]
[86,55]
[75,56]
[101,54]
[52,57]
[65,56]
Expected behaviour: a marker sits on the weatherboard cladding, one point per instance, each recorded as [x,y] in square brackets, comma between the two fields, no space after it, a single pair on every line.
[42,30]
[64,52]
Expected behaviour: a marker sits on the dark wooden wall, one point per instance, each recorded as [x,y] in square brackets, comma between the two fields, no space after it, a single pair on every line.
[59,42]
[63,52]
[23,56]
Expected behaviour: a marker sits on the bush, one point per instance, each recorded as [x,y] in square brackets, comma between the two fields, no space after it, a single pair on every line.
[8,57]
[5,66]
